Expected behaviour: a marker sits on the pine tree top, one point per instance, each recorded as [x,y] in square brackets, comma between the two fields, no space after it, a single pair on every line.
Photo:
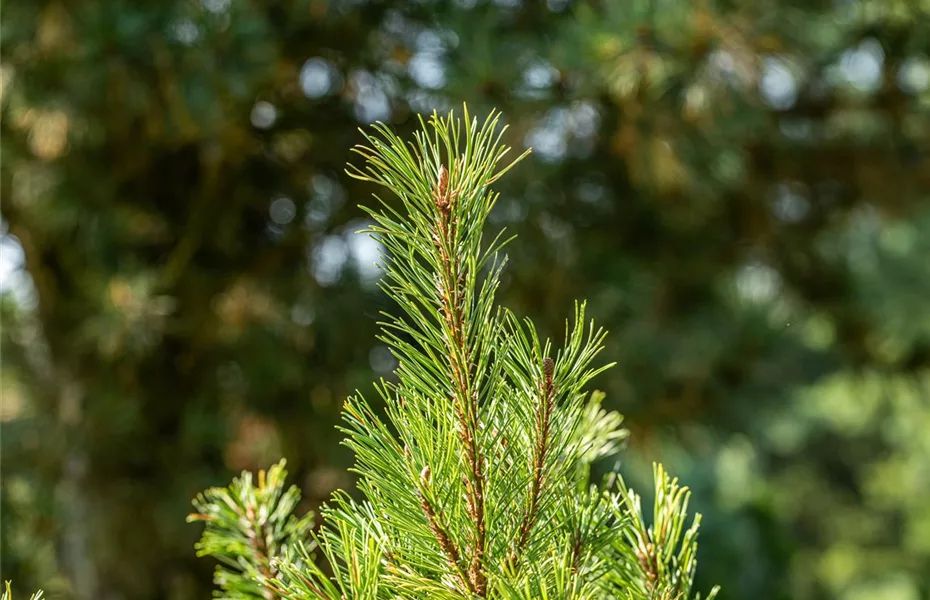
[475,480]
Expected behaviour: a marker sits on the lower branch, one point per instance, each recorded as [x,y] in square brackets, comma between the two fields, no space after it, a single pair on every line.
[453,557]
[541,449]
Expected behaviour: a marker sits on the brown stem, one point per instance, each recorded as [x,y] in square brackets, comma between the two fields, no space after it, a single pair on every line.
[576,553]
[538,461]
[453,557]
[465,400]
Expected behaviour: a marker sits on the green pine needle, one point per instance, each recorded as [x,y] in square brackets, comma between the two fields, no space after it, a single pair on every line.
[8,593]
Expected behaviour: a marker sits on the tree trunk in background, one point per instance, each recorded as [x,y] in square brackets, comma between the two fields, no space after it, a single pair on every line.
[77,554]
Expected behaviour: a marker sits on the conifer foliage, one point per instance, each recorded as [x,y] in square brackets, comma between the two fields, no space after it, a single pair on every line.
[248,526]
[8,593]
[475,482]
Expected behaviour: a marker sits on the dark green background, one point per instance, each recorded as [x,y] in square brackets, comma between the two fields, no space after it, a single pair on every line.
[739,188]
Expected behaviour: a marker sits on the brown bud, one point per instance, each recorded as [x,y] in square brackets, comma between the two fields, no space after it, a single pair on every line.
[441,193]
[548,368]
[443,186]
[424,475]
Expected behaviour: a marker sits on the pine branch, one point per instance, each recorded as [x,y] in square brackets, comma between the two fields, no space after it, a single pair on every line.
[543,416]
[458,204]
[248,528]
[442,538]
[451,280]
[665,554]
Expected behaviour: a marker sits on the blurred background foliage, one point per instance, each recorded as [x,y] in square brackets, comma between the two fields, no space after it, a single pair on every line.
[739,187]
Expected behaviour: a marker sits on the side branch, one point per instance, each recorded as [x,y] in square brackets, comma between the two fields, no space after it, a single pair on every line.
[538,461]
[453,557]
